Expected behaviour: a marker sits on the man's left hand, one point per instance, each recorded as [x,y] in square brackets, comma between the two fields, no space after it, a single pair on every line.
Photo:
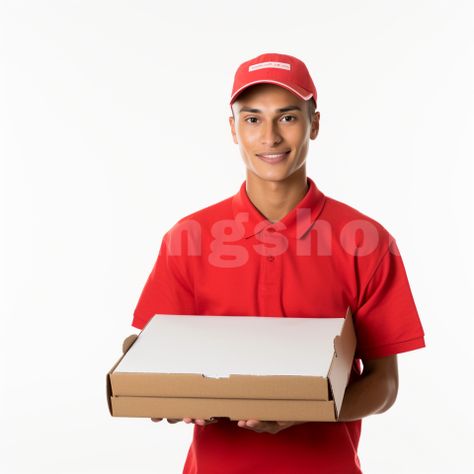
[272,427]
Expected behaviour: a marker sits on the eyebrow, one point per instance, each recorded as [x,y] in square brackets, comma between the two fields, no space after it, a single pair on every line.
[257,111]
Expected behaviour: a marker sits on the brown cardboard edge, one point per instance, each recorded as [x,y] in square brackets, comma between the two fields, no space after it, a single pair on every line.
[108,382]
[341,364]
[234,409]
[139,384]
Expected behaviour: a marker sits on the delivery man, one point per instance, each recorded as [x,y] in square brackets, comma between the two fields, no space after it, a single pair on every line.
[281,247]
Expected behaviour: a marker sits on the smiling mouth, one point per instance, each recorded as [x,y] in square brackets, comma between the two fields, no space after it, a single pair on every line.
[273,157]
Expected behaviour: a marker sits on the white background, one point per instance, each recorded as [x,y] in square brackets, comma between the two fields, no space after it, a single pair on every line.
[114,124]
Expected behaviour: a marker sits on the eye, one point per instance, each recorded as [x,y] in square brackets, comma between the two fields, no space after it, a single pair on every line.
[289,117]
[251,118]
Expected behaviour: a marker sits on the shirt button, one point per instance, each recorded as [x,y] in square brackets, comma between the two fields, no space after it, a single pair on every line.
[271,229]
[271,258]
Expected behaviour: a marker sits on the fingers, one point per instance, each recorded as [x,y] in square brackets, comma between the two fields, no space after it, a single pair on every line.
[201,422]
[266,426]
[197,421]
[128,342]
[169,420]
[255,425]
[250,423]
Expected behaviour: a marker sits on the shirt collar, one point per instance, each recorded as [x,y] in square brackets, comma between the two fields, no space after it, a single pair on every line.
[295,224]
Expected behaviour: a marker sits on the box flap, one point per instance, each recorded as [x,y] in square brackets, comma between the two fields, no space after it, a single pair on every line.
[344,350]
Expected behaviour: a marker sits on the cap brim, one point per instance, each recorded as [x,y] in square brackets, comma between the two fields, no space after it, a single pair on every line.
[299,91]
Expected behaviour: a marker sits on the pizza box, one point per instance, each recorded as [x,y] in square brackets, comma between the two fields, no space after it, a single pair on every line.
[239,367]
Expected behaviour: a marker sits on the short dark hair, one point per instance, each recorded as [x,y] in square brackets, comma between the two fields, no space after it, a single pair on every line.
[311,108]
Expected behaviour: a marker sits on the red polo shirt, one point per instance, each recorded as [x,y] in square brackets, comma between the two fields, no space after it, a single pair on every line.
[228,259]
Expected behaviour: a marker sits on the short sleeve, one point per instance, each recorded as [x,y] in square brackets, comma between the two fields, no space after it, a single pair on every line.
[166,290]
[387,320]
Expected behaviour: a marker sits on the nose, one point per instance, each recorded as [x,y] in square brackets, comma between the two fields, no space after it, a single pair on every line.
[270,134]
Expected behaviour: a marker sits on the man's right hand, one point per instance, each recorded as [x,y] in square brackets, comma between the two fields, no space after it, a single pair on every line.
[197,421]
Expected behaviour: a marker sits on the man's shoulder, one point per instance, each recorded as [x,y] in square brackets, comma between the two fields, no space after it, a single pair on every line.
[343,213]
[347,219]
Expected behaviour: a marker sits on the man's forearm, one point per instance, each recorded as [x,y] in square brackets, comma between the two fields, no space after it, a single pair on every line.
[372,393]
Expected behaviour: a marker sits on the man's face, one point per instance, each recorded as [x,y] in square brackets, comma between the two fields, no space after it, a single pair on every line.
[272,128]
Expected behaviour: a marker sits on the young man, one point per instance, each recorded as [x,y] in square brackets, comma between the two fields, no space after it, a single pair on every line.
[280,247]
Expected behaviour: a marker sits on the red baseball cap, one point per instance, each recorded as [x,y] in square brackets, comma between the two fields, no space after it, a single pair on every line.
[273,68]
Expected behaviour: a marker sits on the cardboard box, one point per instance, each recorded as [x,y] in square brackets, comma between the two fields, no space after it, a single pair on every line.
[239,367]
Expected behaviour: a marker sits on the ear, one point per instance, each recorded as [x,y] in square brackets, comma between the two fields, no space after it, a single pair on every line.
[314,126]
[232,129]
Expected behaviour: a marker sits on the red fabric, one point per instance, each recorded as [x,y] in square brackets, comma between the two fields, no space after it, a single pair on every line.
[274,68]
[320,258]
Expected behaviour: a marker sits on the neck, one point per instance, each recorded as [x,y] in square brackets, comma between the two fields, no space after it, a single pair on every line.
[275,199]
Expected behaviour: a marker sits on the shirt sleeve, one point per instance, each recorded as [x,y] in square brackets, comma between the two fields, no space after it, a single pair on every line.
[387,320]
[166,290]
